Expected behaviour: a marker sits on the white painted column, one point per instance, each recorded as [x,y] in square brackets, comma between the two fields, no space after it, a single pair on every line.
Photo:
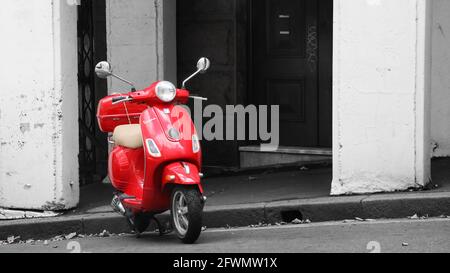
[381,95]
[141,38]
[38,105]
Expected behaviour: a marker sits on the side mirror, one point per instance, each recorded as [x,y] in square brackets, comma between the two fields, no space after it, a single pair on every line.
[103,70]
[203,65]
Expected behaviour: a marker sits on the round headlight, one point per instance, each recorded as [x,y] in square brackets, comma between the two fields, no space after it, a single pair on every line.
[166,91]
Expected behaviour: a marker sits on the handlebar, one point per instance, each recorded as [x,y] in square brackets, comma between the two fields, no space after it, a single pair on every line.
[120,99]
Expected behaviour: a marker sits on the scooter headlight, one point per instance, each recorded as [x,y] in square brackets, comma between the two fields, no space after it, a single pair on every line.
[195,144]
[166,91]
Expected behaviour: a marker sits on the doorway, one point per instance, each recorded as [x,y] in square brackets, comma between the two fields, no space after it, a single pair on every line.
[291,66]
[91,49]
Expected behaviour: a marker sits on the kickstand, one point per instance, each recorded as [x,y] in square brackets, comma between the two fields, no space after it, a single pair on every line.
[161,230]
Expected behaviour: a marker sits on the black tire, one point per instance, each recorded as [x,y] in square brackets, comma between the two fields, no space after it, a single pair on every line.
[194,214]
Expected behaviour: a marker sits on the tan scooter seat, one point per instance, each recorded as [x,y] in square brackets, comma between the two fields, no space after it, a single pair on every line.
[128,136]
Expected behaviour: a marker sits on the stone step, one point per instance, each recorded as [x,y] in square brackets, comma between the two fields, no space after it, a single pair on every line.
[252,156]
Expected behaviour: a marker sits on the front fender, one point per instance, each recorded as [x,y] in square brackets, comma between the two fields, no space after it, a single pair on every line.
[181,173]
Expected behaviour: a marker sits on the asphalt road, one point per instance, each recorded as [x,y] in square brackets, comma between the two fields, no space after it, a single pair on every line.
[431,235]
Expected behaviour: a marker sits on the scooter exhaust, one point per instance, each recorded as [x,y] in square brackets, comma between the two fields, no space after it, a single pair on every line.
[117,205]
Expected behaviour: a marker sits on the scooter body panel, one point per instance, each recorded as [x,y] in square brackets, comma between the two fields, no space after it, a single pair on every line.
[126,170]
[186,174]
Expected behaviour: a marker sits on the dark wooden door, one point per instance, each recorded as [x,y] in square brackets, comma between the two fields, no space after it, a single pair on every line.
[285,66]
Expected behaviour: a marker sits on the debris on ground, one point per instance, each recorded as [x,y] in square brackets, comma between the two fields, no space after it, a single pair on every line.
[12,239]
[304,168]
[299,222]
[204,228]
[46,242]
[415,216]
[71,236]
[6,214]
[104,234]
[57,238]
[405,244]
[359,219]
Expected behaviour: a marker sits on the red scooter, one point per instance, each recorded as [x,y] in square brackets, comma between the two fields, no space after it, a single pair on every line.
[156,161]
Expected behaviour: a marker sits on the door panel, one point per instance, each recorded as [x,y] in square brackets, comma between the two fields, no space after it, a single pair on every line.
[285,66]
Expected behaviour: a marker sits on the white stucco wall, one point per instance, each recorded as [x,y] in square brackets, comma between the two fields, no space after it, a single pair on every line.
[141,38]
[38,105]
[380,95]
[440,99]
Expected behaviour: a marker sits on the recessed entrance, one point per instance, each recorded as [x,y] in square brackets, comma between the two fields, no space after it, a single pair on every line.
[291,62]
[291,66]
[264,52]
[91,49]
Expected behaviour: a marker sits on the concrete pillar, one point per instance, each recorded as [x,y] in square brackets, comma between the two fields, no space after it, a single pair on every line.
[141,38]
[381,95]
[38,105]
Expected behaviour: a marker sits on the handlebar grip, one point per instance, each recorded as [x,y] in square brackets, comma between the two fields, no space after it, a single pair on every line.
[117,99]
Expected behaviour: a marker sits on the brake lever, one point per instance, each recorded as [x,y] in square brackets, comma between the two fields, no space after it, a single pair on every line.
[128,99]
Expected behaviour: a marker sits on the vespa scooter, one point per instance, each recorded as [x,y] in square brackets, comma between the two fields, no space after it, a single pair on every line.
[156,161]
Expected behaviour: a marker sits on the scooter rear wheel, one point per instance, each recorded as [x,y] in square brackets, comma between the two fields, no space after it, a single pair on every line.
[186,213]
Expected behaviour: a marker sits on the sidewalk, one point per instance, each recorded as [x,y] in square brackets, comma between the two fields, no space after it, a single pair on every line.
[250,199]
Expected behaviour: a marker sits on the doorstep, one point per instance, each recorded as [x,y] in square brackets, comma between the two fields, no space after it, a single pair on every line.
[253,156]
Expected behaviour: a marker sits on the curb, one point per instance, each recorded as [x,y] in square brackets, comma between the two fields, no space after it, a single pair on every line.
[381,206]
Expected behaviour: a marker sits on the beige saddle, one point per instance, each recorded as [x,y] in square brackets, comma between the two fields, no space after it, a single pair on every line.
[128,136]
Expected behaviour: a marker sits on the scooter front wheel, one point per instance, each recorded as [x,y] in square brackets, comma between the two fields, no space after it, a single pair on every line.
[186,213]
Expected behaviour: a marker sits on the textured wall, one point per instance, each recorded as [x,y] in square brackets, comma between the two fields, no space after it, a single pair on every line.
[440,99]
[39,105]
[380,95]
[141,41]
